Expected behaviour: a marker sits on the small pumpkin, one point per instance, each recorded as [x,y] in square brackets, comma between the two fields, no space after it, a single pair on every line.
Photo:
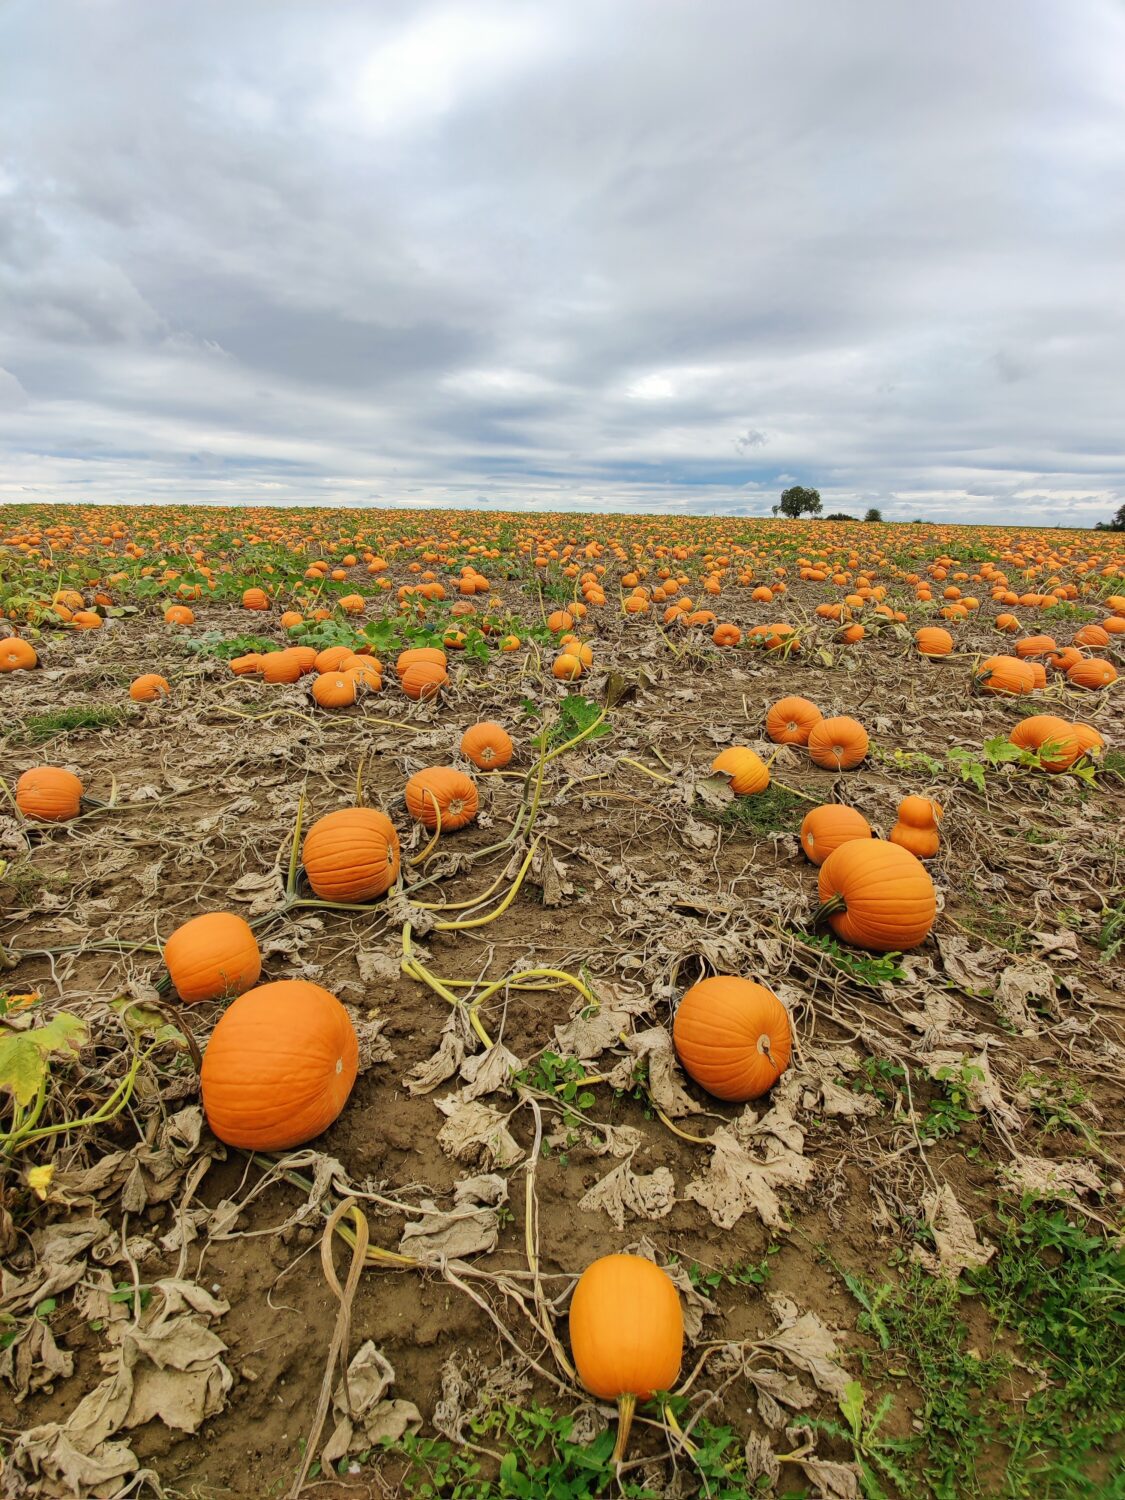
[559,620]
[255,599]
[351,854]
[17,655]
[733,1037]
[726,635]
[826,827]
[838,744]
[747,771]
[1005,675]
[279,1066]
[334,689]
[442,788]
[212,955]
[626,1334]
[790,721]
[49,794]
[488,745]
[175,614]
[917,826]
[423,680]
[89,619]
[148,687]
[932,640]
[876,895]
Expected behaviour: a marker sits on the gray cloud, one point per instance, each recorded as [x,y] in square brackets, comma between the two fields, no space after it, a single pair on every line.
[640,256]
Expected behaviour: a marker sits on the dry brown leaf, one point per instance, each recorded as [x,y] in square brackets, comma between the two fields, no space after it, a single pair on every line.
[476,1134]
[958,1248]
[623,1193]
[364,1417]
[807,1343]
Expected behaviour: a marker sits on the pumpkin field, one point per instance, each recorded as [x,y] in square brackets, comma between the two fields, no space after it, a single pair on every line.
[557,1005]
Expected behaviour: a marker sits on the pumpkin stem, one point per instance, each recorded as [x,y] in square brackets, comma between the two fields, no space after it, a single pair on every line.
[626,1406]
[827,909]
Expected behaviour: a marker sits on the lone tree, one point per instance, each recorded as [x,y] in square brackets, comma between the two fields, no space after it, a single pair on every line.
[797,500]
[873,514]
[1117,524]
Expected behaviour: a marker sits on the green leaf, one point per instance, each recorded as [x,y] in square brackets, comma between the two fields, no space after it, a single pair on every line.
[46,1307]
[22,1067]
[851,1407]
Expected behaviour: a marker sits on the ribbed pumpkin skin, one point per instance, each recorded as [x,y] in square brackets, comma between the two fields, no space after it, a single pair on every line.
[212,955]
[889,898]
[279,1066]
[748,772]
[1092,673]
[334,690]
[826,827]
[18,655]
[1088,738]
[626,1328]
[487,745]
[733,1037]
[923,843]
[148,687]
[1047,729]
[920,812]
[1036,645]
[415,654]
[423,679]
[351,854]
[932,640]
[790,721]
[48,793]
[456,795]
[838,744]
[1005,674]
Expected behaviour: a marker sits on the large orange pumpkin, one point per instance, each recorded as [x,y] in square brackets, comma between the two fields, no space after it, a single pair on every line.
[747,771]
[415,654]
[487,745]
[932,640]
[828,826]
[790,721]
[1092,673]
[626,1333]
[255,599]
[733,1037]
[17,655]
[876,895]
[838,744]
[279,1066]
[423,679]
[444,788]
[212,955]
[1005,675]
[1051,737]
[351,854]
[49,793]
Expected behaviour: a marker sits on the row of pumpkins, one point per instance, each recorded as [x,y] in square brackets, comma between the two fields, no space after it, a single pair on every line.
[1012,676]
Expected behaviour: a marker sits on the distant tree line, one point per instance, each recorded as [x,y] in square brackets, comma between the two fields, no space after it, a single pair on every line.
[1116,524]
[799,501]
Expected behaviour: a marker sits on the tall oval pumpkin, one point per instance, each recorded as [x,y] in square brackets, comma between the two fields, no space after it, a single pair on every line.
[351,854]
[279,1066]
[877,895]
[212,955]
[733,1037]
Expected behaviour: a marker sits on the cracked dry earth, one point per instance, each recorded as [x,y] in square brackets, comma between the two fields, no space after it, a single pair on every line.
[190,1318]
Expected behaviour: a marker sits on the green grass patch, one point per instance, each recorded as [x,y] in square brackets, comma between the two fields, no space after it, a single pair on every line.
[773,811]
[36,729]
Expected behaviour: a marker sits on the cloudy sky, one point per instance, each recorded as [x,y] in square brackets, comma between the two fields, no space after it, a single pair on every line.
[591,254]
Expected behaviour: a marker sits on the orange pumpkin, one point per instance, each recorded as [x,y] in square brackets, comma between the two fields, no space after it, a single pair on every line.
[280,666]
[149,687]
[733,1037]
[17,655]
[828,826]
[790,721]
[838,744]
[49,793]
[351,855]
[932,640]
[1092,673]
[916,829]
[488,745]
[88,619]
[876,895]
[331,659]
[334,689]
[560,620]
[415,654]
[246,666]
[1052,738]
[626,1333]
[1091,635]
[726,635]
[255,599]
[279,1066]
[175,614]
[1006,675]
[212,955]
[423,680]
[747,771]
[441,788]
[1036,645]
[1089,739]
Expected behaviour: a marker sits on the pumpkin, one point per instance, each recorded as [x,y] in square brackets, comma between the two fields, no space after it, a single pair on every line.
[351,855]
[423,680]
[49,793]
[1091,635]
[353,604]
[1036,645]
[364,671]
[280,666]
[213,955]
[335,689]
[916,829]
[726,635]
[559,619]
[747,771]
[149,687]
[1005,674]
[828,826]
[255,599]
[1089,739]
[1094,672]
[331,659]
[246,666]
[175,614]
[626,1334]
[279,1066]
[1062,661]
[733,1037]
[290,619]
[566,668]
[932,640]
[415,654]
[876,895]
[1007,623]
[17,655]
[88,619]
[790,721]
[838,744]
[487,745]
[454,793]
[1040,731]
